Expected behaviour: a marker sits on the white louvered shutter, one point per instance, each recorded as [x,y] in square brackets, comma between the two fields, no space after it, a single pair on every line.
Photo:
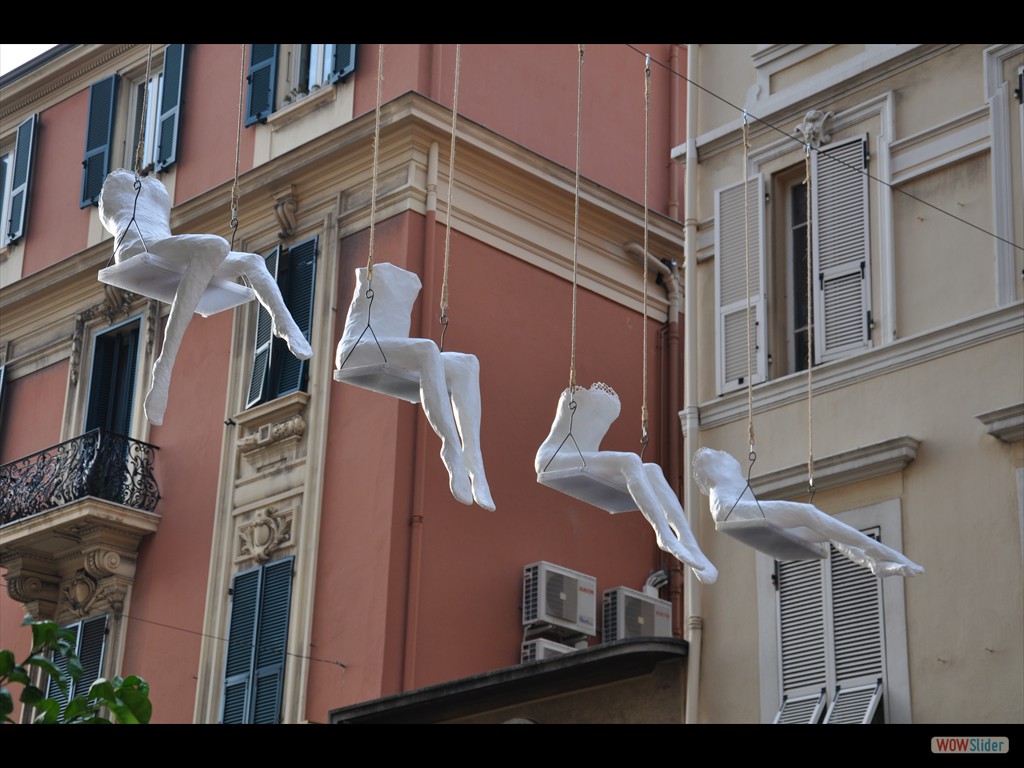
[839,225]
[737,256]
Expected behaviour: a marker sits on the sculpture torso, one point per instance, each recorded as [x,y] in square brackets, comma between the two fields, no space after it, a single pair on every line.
[152,213]
[596,409]
[394,293]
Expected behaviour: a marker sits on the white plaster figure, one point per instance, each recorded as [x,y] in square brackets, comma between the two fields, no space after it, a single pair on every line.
[596,409]
[720,477]
[203,257]
[449,381]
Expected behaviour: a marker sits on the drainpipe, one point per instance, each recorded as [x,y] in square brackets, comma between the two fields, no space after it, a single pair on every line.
[412,586]
[694,619]
[675,296]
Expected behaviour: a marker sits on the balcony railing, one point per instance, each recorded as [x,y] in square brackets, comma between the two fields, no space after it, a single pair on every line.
[99,464]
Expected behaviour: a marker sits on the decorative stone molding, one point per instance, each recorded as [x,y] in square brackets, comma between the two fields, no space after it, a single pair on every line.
[76,559]
[116,301]
[286,210]
[272,434]
[1007,424]
[269,530]
[812,129]
[839,469]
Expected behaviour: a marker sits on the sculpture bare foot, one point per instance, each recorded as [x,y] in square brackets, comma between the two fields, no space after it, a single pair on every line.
[481,491]
[458,475]
[296,342]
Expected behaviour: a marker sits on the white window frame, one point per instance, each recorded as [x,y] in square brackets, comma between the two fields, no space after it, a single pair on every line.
[7,159]
[886,516]
[151,118]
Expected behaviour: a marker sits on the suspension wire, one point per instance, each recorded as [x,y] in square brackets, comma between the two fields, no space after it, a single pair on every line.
[451,187]
[373,215]
[238,151]
[575,236]
[849,166]
[644,439]
[746,319]
[142,112]
[810,323]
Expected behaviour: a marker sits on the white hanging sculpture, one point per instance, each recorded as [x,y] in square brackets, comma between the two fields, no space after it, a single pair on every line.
[608,475]
[446,383]
[720,477]
[194,273]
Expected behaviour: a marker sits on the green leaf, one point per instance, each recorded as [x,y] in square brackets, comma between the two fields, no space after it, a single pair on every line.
[46,665]
[76,708]
[19,675]
[138,703]
[6,663]
[74,666]
[31,695]
[49,711]
[6,703]
[103,690]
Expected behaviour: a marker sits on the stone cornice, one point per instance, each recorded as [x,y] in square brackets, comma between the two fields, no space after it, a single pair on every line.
[1007,424]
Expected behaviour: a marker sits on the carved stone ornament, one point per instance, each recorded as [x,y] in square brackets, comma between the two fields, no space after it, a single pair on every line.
[116,301]
[273,433]
[269,530]
[80,593]
[812,129]
[285,209]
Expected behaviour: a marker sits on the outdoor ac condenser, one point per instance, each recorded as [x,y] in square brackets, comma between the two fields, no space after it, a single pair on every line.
[628,614]
[535,650]
[561,598]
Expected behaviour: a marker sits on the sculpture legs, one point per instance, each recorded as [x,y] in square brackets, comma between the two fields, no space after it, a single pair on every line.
[705,572]
[462,376]
[203,263]
[269,294]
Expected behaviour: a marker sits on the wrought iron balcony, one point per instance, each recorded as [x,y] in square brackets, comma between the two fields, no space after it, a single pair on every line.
[99,464]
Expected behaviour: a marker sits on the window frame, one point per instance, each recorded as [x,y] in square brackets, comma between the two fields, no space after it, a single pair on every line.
[275,69]
[127,415]
[18,161]
[895,694]
[92,658]
[163,110]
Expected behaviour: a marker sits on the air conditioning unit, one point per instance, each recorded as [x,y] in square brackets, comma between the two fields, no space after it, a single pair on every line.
[628,613]
[559,598]
[535,650]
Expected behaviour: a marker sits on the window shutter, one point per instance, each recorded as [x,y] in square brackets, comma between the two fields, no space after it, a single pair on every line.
[53,690]
[731,265]
[112,386]
[841,260]
[273,641]
[802,641]
[262,81]
[257,644]
[344,63]
[298,295]
[170,106]
[20,176]
[90,640]
[102,382]
[241,645]
[264,340]
[98,137]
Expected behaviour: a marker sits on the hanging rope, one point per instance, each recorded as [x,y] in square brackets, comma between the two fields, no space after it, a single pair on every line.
[376,163]
[746,252]
[238,151]
[647,166]
[810,323]
[373,215]
[142,113]
[575,236]
[451,186]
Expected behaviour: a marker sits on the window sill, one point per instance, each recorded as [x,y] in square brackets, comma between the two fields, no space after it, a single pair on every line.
[302,107]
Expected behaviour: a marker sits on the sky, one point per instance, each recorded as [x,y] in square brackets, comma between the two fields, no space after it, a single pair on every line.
[15,54]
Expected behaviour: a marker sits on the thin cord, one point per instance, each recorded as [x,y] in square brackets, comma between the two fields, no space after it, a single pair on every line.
[810,322]
[647,166]
[145,107]
[746,251]
[451,187]
[376,162]
[576,229]
[848,165]
[238,151]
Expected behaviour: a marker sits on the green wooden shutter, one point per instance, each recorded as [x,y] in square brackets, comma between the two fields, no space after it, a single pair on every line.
[344,61]
[60,661]
[731,262]
[257,643]
[112,386]
[842,263]
[298,295]
[20,177]
[262,352]
[272,645]
[90,641]
[98,138]
[170,106]
[262,81]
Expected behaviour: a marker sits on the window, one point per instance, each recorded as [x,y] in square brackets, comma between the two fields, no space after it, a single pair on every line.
[257,643]
[158,121]
[161,119]
[303,68]
[275,371]
[778,311]
[836,634]
[15,174]
[112,386]
[90,640]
